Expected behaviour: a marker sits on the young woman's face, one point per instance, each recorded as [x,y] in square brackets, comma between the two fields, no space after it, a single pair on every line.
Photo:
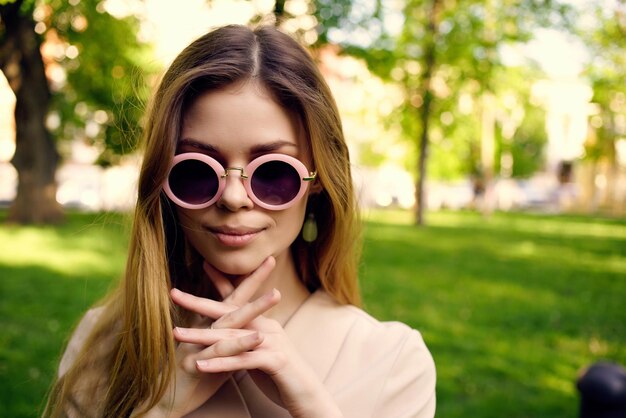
[235,125]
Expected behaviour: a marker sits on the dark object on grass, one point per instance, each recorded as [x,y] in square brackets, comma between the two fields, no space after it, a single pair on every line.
[602,390]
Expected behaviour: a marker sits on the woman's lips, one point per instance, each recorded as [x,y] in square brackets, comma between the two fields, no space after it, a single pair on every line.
[234,237]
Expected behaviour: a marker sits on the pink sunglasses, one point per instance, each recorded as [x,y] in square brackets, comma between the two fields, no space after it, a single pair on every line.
[272,181]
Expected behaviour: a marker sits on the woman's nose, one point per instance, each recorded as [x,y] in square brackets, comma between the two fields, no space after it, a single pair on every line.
[234,196]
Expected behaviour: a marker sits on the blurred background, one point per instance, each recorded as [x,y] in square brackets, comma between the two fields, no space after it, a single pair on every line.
[494,104]
[499,126]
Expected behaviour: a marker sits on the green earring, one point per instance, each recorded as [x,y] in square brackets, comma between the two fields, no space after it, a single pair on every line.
[309,229]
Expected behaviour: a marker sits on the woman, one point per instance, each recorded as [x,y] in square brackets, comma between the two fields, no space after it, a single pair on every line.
[234,302]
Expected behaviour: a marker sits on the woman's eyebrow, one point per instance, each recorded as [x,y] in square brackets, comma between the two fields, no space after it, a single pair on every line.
[256,149]
[196,144]
[271,146]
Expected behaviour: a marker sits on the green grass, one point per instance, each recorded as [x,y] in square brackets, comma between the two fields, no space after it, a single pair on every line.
[48,277]
[512,307]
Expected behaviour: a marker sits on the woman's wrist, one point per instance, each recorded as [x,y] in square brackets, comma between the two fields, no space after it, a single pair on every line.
[318,403]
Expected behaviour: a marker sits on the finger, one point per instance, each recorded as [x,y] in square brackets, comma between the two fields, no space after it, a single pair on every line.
[223,285]
[248,287]
[227,348]
[246,360]
[206,307]
[208,337]
[247,313]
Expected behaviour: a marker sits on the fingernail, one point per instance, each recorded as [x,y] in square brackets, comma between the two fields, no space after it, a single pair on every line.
[181,331]
[202,363]
[270,295]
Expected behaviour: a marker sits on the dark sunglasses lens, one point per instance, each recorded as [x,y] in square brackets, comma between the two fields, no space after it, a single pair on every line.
[193,181]
[275,182]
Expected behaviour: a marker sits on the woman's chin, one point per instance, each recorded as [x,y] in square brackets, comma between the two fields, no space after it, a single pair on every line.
[235,271]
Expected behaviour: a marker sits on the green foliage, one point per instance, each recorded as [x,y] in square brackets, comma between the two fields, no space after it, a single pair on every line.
[607,71]
[530,140]
[516,107]
[511,306]
[467,63]
[102,99]
[369,156]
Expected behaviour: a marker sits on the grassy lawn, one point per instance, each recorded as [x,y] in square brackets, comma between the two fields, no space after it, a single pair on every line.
[48,277]
[512,307]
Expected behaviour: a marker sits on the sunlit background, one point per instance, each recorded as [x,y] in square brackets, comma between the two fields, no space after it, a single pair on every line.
[485,153]
[527,120]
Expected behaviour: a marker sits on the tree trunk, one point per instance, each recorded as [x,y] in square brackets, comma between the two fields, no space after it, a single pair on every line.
[425,109]
[488,118]
[487,152]
[35,156]
[279,11]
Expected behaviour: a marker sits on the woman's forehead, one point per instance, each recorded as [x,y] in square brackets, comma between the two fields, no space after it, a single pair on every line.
[243,116]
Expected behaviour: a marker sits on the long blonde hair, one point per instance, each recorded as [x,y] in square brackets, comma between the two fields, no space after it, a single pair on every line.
[129,354]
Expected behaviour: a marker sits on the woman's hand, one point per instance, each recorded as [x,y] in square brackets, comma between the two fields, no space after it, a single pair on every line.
[241,338]
[191,388]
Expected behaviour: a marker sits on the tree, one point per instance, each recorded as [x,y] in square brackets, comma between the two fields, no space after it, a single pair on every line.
[35,157]
[84,89]
[426,91]
[606,40]
[435,50]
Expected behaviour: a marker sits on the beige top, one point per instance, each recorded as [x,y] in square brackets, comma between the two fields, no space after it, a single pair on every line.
[371,368]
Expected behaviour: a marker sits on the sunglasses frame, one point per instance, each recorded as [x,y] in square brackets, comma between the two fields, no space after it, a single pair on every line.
[245,174]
